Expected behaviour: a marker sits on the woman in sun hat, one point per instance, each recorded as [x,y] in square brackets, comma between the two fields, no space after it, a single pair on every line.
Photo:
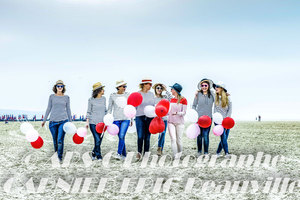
[176,118]
[222,105]
[142,121]
[203,103]
[118,112]
[159,88]
[95,113]
[60,113]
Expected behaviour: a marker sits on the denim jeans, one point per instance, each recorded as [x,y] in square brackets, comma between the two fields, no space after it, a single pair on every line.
[123,127]
[223,143]
[58,135]
[161,137]
[97,142]
[143,133]
[204,136]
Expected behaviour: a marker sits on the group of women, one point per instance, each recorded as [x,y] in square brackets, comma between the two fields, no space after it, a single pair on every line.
[208,97]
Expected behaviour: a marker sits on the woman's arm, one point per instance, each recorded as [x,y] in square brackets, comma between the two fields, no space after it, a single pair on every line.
[48,108]
[110,104]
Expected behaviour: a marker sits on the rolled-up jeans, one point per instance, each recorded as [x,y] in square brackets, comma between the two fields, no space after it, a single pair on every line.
[58,136]
[161,137]
[123,127]
[223,143]
[204,136]
[97,142]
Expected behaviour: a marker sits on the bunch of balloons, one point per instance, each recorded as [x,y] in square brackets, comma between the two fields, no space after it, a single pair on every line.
[108,124]
[226,123]
[157,125]
[193,130]
[79,133]
[32,135]
[134,100]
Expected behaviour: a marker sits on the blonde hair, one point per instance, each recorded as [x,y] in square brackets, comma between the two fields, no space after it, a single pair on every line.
[224,99]
[179,98]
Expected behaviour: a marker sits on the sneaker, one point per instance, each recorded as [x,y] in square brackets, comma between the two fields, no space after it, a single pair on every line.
[93,156]
[60,160]
[199,153]
[99,159]
[227,155]
[219,155]
[159,151]
[118,157]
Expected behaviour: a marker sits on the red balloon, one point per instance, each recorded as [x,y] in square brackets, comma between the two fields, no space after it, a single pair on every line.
[204,121]
[100,127]
[77,139]
[165,103]
[157,125]
[161,111]
[228,123]
[38,143]
[135,99]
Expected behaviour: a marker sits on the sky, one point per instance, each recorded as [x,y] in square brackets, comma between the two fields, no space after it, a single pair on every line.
[253,46]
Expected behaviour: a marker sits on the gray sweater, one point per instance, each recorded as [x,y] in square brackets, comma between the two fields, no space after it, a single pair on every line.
[96,110]
[118,112]
[59,107]
[203,104]
[225,112]
[148,99]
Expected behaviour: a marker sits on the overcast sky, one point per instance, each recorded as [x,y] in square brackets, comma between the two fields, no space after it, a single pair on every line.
[251,45]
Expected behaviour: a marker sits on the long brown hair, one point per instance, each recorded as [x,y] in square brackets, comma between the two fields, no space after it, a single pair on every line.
[224,99]
[160,95]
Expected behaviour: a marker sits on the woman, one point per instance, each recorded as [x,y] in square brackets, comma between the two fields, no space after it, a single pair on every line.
[142,121]
[176,119]
[158,89]
[203,103]
[222,105]
[95,113]
[59,107]
[120,119]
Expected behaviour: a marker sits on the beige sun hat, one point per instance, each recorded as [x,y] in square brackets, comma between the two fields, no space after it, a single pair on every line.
[163,86]
[97,86]
[59,82]
[120,82]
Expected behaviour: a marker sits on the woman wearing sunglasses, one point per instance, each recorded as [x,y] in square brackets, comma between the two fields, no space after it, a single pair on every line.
[142,121]
[95,113]
[176,119]
[120,119]
[60,113]
[158,90]
[222,105]
[203,103]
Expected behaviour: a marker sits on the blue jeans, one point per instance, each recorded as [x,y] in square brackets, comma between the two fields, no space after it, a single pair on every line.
[97,141]
[204,136]
[123,127]
[143,133]
[223,143]
[161,137]
[58,135]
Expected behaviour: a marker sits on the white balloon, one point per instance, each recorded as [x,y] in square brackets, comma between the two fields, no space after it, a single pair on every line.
[121,102]
[108,119]
[82,131]
[191,116]
[25,127]
[218,118]
[132,129]
[129,111]
[150,111]
[69,128]
[32,135]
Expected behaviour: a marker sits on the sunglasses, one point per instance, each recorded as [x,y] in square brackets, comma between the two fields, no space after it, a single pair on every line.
[159,88]
[204,85]
[123,86]
[60,86]
[217,86]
